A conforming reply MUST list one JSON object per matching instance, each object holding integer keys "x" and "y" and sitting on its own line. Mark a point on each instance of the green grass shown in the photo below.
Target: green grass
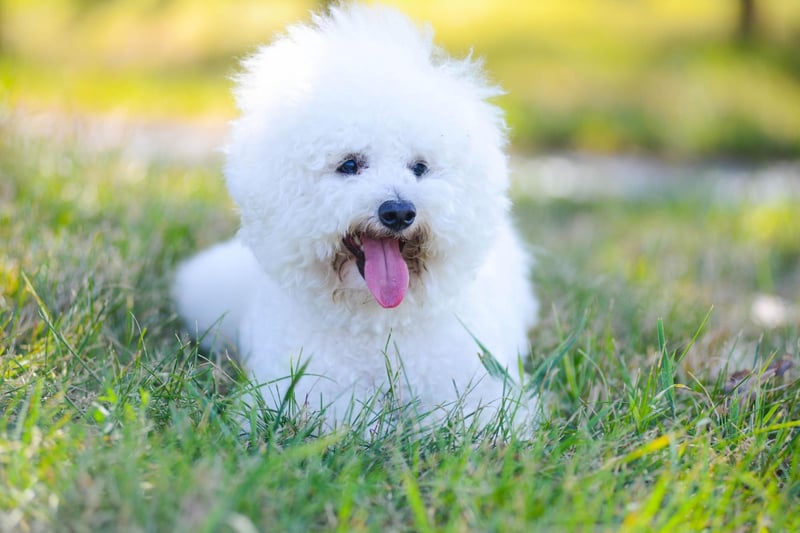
{"x": 110, "y": 421}
{"x": 601, "y": 75}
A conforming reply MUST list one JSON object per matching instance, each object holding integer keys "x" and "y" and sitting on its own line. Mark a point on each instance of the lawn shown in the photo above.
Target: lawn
{"x": 110, "y": 421}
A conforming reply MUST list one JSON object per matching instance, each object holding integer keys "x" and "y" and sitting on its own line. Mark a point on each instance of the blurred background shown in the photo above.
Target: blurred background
{"x": 679, "y": 79}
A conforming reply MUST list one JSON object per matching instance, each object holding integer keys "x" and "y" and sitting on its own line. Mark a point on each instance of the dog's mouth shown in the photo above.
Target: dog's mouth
{"x": 382, "y": 263}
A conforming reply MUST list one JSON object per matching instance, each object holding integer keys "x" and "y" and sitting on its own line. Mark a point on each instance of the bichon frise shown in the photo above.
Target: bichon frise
{"x": 370, "y": 173}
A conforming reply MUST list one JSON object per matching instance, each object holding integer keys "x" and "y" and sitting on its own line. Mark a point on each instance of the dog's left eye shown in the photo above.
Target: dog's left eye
{"x": 419, "y": 169}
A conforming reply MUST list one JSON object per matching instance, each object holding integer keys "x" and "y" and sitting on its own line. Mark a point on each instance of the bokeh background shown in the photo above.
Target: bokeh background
{"x": 680, "y": 79}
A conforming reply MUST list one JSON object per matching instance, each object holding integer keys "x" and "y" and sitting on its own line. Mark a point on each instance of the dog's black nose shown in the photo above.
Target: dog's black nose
{"x": 397, "y": 215}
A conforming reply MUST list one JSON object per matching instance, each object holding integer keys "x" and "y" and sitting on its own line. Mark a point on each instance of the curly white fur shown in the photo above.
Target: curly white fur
{"x": 366, "y": 82}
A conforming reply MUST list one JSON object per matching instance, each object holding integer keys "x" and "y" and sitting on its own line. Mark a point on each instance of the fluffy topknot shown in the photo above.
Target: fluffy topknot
{"x": 278, "y": 72}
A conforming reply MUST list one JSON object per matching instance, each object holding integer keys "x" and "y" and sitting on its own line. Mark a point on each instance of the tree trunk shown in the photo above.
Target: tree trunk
{"x": 747, "y": 19}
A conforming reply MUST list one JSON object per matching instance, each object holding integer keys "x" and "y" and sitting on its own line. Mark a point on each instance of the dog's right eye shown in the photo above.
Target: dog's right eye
{"x": 349, "y": 167}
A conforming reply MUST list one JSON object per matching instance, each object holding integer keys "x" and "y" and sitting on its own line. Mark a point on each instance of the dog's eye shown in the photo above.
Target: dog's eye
{"x": 349, "y": 167}
{"x": 419, "y": 169}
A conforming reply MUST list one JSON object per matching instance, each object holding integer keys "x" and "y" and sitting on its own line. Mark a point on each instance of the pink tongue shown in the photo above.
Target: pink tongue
{"x": 385, "y": 270}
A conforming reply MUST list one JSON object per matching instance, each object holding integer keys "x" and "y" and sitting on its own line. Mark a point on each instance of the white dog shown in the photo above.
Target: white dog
{"x": 372, "y": 182}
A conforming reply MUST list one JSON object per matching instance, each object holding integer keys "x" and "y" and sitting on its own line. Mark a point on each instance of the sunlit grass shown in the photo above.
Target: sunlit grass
{"x": 110, "y": 420}
{"x": 154, "y": 95}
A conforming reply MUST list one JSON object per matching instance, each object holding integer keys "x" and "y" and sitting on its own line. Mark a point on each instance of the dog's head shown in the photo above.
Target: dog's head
{"x": 366, "y": 164}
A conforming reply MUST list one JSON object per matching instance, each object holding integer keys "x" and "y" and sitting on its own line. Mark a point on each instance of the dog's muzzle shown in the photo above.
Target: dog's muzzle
{"x": 380, "y": 252}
